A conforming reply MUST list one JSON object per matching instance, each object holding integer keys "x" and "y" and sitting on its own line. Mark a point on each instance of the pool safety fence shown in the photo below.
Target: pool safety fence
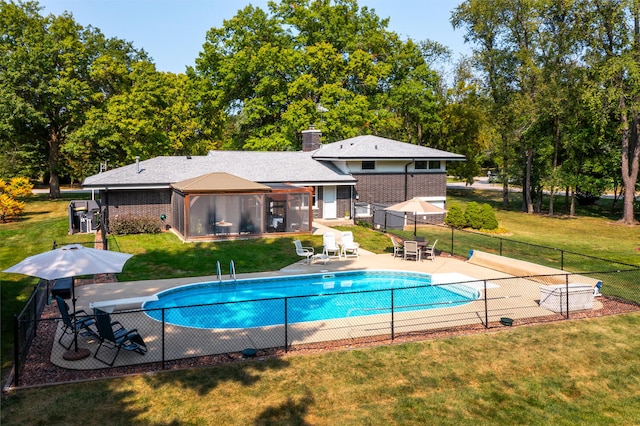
{"x": 460, "y": 242}
{"x": 219, "y": 332}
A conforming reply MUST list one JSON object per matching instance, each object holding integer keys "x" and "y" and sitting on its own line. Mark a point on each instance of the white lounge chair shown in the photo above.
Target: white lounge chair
{"x": 349, "y": 247}
{"x": 306, "y": 252}
{"x": 329, "y": 245}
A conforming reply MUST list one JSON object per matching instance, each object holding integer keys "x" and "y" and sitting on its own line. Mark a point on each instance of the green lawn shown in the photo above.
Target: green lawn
{"x": 588, "y": 372}
{"x": 567, "y": 373}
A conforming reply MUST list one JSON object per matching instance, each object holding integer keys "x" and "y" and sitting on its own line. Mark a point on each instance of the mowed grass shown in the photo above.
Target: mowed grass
{"x": 572, "y": 372}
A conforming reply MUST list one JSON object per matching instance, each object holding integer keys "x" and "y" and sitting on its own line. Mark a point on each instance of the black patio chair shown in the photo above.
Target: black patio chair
{"x": 75, "y": 323}
{"x": 113, "y": 335}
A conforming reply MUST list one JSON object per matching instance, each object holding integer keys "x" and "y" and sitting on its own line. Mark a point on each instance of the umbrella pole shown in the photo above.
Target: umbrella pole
{"x": 73, "y": 302}
{"x": 77, "y": 353}
{"x": 415, "y": 225}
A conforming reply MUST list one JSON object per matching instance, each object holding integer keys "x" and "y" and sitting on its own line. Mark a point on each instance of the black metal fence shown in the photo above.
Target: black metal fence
{"x": 398, "y": 312}
{"x": 283, "y": 324}
{"x": 25, "y": 323}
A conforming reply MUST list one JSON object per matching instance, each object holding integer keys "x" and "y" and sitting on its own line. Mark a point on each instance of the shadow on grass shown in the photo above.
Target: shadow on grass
{"x": 289, "y": 412}
{"x": 204, "y": 380}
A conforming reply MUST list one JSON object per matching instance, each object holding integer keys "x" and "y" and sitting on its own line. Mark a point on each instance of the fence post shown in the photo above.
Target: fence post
{"x": 562, "y": 259}
{"x": 566, "y": 281}
{"x": 486, "y": 307}
{"x": 501, "y": 246}
{"x": 452, "y": 247}
{"x": 163, "y": 337}
{"x": 393, "y": 335}
{"x": 16, "y": 350}
{"x": 286, "y": 327}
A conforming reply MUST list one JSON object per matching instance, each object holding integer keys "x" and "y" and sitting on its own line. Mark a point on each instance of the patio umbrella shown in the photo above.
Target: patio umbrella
{"x": 416, "y": 206}
{"x": 70, "y": 261}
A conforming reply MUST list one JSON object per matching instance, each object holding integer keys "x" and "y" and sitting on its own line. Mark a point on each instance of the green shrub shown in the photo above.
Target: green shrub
{"x": 364, "y": 224}
{"x": 473, "y": 215}
{"x": 455, "y": 217}
{"x": 128, "y": 224}
{"x": 488, "y": 217}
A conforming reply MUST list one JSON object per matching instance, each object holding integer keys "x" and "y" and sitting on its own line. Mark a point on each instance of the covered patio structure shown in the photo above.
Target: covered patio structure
{"x": 221, "y": 205}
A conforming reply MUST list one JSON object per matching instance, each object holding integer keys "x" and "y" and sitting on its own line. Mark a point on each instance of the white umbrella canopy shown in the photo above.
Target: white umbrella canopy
{"x": 416, "y": 206}
{"x": 71, "y": 261}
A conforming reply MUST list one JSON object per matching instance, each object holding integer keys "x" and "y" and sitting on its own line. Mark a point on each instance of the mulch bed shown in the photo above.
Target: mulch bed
{"x": 39, "y": 370}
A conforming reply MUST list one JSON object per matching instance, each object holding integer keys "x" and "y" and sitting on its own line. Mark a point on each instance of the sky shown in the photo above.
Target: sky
{"x": 172, "y": 32}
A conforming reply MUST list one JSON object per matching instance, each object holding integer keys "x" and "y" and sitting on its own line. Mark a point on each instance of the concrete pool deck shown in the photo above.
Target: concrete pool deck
{"x": 512, "y": 297}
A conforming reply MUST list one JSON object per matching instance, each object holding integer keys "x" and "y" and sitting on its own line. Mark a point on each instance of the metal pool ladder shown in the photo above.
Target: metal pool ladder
{"x": 232, "y": 270}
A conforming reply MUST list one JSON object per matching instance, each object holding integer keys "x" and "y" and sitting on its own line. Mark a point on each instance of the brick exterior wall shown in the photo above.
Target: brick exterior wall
{"x": 147, "y": 202}
{"x": 389, "y": 188}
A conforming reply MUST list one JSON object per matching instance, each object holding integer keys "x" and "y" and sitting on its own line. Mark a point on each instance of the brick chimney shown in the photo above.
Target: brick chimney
{"x": 311, "y": 139}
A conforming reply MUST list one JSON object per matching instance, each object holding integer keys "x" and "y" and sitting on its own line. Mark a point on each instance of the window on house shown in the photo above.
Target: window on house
{"x": 434, "y": 165}
{"x": 362, "y": 209}
{"x": 368, "y": 165}
{"x": 421, "y": 165}
{"x": 314, "y": 197}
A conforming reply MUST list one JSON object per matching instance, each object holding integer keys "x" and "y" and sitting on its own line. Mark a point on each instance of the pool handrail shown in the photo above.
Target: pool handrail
{"x": 218, "y": 271}
{"x": 232, "y": 270}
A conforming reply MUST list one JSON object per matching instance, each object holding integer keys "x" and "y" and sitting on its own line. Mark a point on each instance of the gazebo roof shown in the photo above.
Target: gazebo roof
{"x": 219, "y": 182}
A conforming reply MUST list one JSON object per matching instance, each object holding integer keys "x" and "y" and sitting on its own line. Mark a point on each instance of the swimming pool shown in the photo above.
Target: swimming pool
{"x": 303, "y": 298}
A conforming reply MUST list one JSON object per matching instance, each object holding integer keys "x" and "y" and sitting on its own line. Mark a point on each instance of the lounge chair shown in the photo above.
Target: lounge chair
{"x": 398, "y": 248}
{"x": 329, "y": 245}
{"x": 411, "y": 250}
{"x": 430, "y": 251}
{"x": 306, "y": 252}
{"x": 77, "y": 323}
{"x": 112, "y": 334}
{"x": 349, "y": 247}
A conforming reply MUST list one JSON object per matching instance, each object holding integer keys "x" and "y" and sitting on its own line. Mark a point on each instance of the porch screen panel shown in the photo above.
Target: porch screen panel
{"x": 298, "y": 212}
{"x": 177, "y": 204}
{"x": 251, "y": 208}
{"x": 198, "y": 208}
{"x": 225, "y": 214}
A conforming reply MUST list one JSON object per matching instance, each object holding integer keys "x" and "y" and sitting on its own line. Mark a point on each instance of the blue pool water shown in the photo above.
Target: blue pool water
{"x": 261, "y": 302}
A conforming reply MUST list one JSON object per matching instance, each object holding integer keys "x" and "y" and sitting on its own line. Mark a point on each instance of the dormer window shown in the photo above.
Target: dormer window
{"x": 368, "y": 165}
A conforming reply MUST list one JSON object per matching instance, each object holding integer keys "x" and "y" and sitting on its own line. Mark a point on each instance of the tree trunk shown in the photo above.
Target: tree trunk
{"x": 572, "y": 204}
{"x": 556, "y": 149}
{"x": 630, "y": 161}
{"x": 527, "y": 198}
{"x": 505, "y": 179}
{"x": 54, "y": 159}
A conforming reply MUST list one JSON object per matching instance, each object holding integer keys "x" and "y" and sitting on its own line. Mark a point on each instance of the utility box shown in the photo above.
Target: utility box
{"x": 83, "y": 216}
{"x": 554, "y": 297}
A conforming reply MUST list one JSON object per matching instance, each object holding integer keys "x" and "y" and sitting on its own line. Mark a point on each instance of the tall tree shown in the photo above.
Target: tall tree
{"x": 329, "y": 63}
{"x": 614, "y": 58}
{"x": 45, "y": 84}
{"x": 483, "y": 25}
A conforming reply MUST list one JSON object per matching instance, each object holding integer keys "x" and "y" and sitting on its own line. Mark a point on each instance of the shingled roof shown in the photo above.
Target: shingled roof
{"x": 263, "y": 167}
{"x": 374, "y": 147}
{"x": 297, "y": 168}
